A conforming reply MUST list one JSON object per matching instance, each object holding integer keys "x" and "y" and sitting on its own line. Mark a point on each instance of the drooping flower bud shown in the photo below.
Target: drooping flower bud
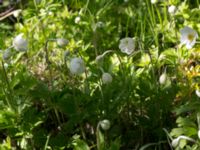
{"x": 16, "y": 13}
{"x": 19, "y": 43}
{"x": 175, "y": 142}
{"x": 62, "y": 42}
{"x": 199, "y": 134}
{"x": 77, "y": 66}
{"x": 105, "y": 124}
{"x": 99, "y": 59}
{"x": 7, "y": 54}
{"x": 106, "y": 78}
{"x": 163, "y": 78}
{"x": 154, "y": 1}
{"x": 77, "y": 19}
{"x": 172, "y": 9}
{"x": 197, "y": 93}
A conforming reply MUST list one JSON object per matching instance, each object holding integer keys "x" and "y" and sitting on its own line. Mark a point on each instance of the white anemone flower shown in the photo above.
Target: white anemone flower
{"x": 77, "y": 66}
{"x": 188, "y": 37}
{"x": 106, "y": 78}
{"x": 19, "y": 43}
{"x": 127, "y": 45}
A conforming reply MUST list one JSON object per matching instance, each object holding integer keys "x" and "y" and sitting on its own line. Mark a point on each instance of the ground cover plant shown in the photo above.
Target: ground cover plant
{"x": 100, "y": 75}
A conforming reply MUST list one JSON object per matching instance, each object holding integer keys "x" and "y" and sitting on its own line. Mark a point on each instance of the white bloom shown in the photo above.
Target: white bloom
{"x": 7, "y": 54}
{"x": 19, "y": 43}
{"x": 105, "y": 124}
{"x": 188, "y": 37}
{"x": 77, "y": 19}
{"x": 62, "y": 42}
{"x": 16, "y": 13}
{"x": 106, "y": 78}
{"x": 197, "y": 93}
{"x": 127, "y": 45}
{"x": 154, "y": 1}
{"x": 163, "y": 78}
{"x": 172, "y": 9}
{"x": 77, "y": 66}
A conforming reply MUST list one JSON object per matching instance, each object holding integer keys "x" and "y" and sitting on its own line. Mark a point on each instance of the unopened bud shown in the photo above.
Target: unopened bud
{"x": 105, "y": 124}
{"x": 106, "y": 78}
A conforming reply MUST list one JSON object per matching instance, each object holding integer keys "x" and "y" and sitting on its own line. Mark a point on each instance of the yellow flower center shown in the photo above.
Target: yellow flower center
{"x": 190, "y": 37}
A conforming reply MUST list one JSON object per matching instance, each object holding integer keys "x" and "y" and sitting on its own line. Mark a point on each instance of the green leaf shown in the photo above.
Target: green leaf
{"x": 80, "y": 145}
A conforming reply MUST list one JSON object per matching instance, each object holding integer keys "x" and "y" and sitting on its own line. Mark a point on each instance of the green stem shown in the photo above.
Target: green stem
{"x": 10, "y": 95}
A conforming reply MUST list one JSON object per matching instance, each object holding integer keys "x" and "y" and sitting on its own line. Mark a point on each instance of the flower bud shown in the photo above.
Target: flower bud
{"x": 77, "y": 19}
{"x": 100, "y": 24}
{"x": 77, "y": 66}
{"x": 7, "y": 54}
{"x": 62, "y": 42}
{"x": 99, "y": 59}
{"x": 105, "y": 124}
{"x": 175, "y": 142}
{"x": 163, "y": 78}
{"x": 197, "y": 93}
{"x": 199, "y": 134}
{"x": 19, "y": 43}
{"x": 154, "y": 1}
{"x": 106, "y": 78}
{"x": 16, "y": 13}
{"x": 172, "y": 9}
{"x": 66, "y": 53}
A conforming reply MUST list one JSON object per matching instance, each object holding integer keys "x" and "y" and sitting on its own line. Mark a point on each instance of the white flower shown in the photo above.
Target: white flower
{"x": 16, "y": 13}
{"x": 62, "y": 42}
{"x": 154, "y": 1}
{"x": 197, "y": 93}
{"x": 19, "y": 43}
{"x": 105, "y": 124}
{"x": 76, "y": 66}
{"x": 172, "y": 9}
{"x": 163, "y": 78}
{"x": 77, "y": 19}
{"x": 188, "y": 37}
{"x": 127, "y": 45}
{"x": 106, "y": 78}
{"x": 7, "y": 54}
